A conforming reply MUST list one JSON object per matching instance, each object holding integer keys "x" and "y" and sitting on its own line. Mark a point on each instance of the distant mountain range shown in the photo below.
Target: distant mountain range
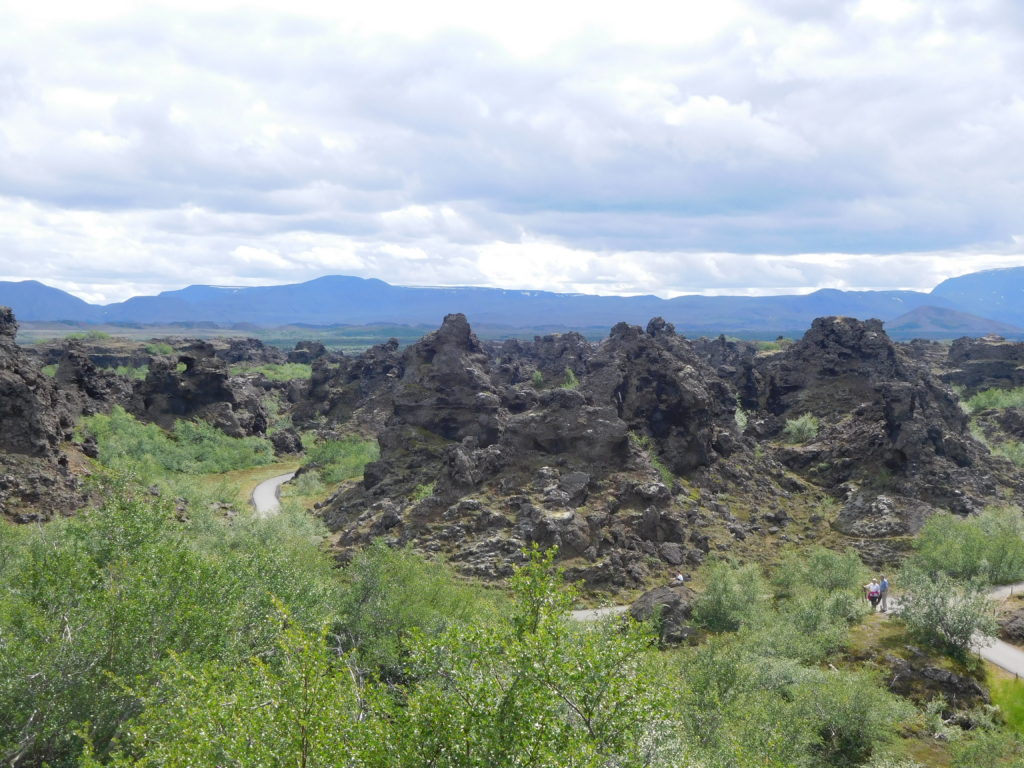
{"x": 971, "y": 305}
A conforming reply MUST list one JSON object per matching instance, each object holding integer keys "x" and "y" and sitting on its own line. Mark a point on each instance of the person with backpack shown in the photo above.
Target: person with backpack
{"x": 874, "y": 593}
{"x": 884, "y": 587}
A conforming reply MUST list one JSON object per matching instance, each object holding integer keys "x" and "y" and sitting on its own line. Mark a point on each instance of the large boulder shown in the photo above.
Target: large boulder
{"x": 670, "y": 606}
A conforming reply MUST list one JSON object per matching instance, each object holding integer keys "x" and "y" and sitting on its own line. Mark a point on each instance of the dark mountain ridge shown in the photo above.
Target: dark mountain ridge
{"x": 345, "y": 300}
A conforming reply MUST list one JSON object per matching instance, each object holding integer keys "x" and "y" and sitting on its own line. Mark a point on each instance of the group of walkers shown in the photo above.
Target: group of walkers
{"x": 877, "y": 593}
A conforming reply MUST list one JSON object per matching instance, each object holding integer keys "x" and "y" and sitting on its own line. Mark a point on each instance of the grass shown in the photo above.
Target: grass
{"x": 995, "y": 398}
{"x": 246, "y": 480}
{"x": 275, "y": 372}
{"x": 1007, "y": 692}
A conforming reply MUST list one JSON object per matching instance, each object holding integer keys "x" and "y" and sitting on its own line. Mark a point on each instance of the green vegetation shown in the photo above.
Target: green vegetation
{"x": 1008, "y": 695}
{"x": 341, "y": 460}
{"x": 275, "y": 372}
{"x": 988, "y": 547}
{"x": 50, "y": 370}
{"x": 93, "y": 607}
{"x": 802, "y": 429}
{"x": 159, "y": 348}
{"x": 646, "y": 444}
{"x": 423, "y": 491}
{"x": 570, "y": 381}
{"x": 193, "y": 448}
{"x": 92, "y": 335}
{"x": 537, "y": 379}
{"x": 131, "y": 372}
{"x": 742, "y": 417}
{"x": 944, "y": 613}
{"x": 995, "y": 398}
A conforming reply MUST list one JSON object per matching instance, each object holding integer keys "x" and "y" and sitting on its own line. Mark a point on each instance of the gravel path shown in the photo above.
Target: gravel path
{"x": 266, "y": 495}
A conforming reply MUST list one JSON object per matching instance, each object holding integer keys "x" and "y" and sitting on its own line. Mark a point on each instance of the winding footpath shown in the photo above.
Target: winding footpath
{"x": 992, "y": 649}
{"x": 1000, "y": 653}
{"x": 266, "y": 497}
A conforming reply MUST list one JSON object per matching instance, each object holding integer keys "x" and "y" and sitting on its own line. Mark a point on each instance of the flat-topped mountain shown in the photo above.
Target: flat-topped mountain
{"x": 343, "y": 300}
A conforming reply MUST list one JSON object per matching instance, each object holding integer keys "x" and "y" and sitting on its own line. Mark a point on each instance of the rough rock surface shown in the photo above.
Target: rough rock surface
{"x": 992, "y": 361}
{"x": 35, "y": 418}
{"x": 888, "y": 427}
{"x": 356, "y": 390}
{"x": 1011, "y": 627}
{"x": 671, "y": 607}
{"x": 922, "y": 681}
{"x": 34, "y": 414}
{"x": 203, "y": 390}
{"x": 477, "y": 463}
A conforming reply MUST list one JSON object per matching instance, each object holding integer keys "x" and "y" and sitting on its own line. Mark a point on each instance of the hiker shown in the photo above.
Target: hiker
{"x": 874, "y": 593}
{"x": 679, "y": 578}
{"x": 883, "y": 586}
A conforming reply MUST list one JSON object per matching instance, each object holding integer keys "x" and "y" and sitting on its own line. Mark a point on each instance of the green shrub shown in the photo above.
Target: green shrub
{"x": 989, "y": 547}
{"x": 802, "y": 429}
{"x": 131, "y": 372}
{"x": 646, "y": 444}
{"x": 570, "y": 381}
{"x": 423, "y": 491}
{"x": 742, "y": 417}
{"x": 193, "y": 448}
{"x": 92, "y": 606}
{"x": 49, "y": 370}
{"x": 159, "y": 348}
{"x": 341, "y": 460}
{"x": 820, "y": 569}
{"x": 989, "y": 748}
{"x": 944, "y": 613}
{"x": 88, "y": 335}
{"x": 733, "y": 595}
{"x": 537, "y": 379}
{"x": 995, "y": 398}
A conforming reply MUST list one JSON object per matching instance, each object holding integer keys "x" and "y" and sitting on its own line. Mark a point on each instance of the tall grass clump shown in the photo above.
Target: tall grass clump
{"x": 802, "y": 429}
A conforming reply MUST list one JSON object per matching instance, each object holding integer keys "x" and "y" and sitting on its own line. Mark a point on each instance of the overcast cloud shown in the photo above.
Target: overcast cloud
{"x": 754, "y": 147}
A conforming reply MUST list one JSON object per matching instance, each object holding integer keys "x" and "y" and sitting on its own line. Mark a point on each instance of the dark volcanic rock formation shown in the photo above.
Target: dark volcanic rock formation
{"x": 992, "y": 361}
{"x": 477, "y": 463}
{"x": 893, "y": 441}
{"x": 357, "y": 389}
{"x": 35, "y": 418}
{"x": 661, "y": 389}
{"x": 203, "y": 390}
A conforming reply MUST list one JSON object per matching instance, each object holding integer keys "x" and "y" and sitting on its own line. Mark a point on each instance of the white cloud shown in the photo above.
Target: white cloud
{"x": 688, "y": 147}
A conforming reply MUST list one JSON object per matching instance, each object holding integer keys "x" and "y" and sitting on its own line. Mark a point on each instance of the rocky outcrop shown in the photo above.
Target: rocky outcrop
{"x": 977, "y": 364}
{"x": 34, "y": 415}
{"x": 355, "y": 390}
{"x": 892, "y": 440}
{"x": 662, "y": 390}
{"x": 307, "y": 352}
{"x": 670, "y": 607}
{"x": 35, "y": 418}
{"x": 92, "y": 389}
{"x": 478, "y": 461}
{"x": 195, "y": 384}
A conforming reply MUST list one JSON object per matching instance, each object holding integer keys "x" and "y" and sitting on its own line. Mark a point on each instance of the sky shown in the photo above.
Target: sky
{"x": 730, "y": 147}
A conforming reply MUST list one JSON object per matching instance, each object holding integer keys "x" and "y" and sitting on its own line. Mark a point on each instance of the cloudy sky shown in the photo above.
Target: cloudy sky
{"x": 729, "y": 147}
